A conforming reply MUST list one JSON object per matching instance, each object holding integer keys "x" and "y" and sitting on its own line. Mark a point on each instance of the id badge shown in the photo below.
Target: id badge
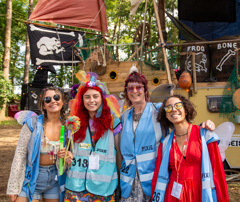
{"x": 94, "y": 162}
{"x": 177, "y": 190}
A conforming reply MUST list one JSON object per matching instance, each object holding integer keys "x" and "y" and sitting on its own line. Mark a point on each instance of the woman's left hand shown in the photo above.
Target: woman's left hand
{"x": 69, "y": 157}
{"x": 209, "y": 125}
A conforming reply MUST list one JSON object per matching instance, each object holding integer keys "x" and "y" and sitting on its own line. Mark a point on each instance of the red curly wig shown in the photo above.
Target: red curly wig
{"x": 101, "y": 124}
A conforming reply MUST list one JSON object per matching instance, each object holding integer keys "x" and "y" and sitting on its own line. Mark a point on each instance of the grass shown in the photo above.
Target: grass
{"x": 9, "y": 123}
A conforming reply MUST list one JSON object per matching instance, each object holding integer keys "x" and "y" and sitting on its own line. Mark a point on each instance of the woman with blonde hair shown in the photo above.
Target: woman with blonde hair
{"x": 34, "y": 172}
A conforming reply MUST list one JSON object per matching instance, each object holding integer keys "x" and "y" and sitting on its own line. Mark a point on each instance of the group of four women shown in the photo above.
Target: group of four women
{"x": 135, "y": 152}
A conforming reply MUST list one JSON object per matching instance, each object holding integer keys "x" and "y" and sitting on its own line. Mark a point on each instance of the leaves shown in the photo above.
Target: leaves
{"x": 6, "y": 90}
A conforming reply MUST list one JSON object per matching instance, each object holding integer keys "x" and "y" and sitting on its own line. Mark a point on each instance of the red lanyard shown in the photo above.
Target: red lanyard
{"x": 184, "y": 151}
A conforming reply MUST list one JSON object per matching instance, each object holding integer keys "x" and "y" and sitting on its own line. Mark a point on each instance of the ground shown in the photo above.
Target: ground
{"x": 8, "y": 141}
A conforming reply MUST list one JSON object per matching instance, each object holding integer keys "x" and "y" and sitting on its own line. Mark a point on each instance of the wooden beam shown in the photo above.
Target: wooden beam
{"x": 162, "y": 43}
{"x": 194, "y": 73}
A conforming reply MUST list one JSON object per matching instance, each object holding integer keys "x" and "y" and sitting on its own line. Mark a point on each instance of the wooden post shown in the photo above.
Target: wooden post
{"x": 143, "y": 33}
{"x": 100, "y": 13}
{"x": 194, "y": 73}
{"x": 161, "y": 43}
{"x": 237, "y": 72}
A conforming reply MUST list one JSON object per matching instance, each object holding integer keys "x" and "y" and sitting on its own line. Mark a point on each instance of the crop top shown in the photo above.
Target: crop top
{"x": 50, "y": 147}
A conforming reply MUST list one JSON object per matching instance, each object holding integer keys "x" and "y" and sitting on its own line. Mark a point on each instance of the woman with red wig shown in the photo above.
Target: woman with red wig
{"x": 93, "y": 172}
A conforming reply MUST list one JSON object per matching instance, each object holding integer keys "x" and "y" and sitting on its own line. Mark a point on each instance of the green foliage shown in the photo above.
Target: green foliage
{"x": 118, "y": 15}
{"x": 6, "y": 90}
{"x": 18, "y": 38}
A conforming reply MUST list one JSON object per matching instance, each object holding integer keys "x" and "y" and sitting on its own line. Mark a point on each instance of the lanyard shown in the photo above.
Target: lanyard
{"x": 91, "y": 137}
{"x": 177, "y": 167}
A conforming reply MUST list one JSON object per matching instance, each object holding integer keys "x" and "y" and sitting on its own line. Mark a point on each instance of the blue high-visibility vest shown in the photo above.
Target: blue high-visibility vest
{"x": 208, "y": 187}
{"x": 102, "y": 181}
{"x": 139, "y": 149}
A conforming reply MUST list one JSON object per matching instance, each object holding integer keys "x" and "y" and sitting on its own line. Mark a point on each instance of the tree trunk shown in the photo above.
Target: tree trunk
{"x": 161, "y": 11}
{"x": 27, "y": 53}
{"x": 7, "y": 46}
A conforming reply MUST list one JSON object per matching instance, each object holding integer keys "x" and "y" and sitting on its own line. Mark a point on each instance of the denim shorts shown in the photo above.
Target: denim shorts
{"x": 47, "y": 184}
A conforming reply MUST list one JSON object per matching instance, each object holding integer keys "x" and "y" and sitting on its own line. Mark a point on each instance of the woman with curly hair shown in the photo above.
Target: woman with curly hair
{"x": 189, "y": 165}
{"x": 93, "y": 172}
{"x": 34, "y": 172}
{"x": 140, "y": 139}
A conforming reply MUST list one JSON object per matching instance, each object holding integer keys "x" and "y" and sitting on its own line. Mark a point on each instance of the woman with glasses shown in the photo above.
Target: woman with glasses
{"x": 93, "y": 173}
{"x": 34, "y": 172}
{"x": 140, "y": 138}
{"x": 189, "y": 165}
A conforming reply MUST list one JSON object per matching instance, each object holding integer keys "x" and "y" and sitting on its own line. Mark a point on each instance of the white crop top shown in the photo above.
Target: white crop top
{"x": 50, "y": 148}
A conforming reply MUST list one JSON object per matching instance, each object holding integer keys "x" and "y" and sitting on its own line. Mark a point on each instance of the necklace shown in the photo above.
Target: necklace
{"x": 136, "y": 117}
{"x": 181, "y": 135}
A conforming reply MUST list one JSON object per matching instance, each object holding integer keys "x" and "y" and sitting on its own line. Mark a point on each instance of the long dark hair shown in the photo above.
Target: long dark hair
{"x": 188, "y": 106}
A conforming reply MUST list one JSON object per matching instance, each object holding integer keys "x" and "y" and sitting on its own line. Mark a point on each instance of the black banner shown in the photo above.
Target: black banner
{"x": 53, "y": 47}
{"x": 207, "y": 10}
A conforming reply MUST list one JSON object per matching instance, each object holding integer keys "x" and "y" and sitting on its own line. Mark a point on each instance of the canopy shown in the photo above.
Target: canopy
{"x": 88, "y": 14}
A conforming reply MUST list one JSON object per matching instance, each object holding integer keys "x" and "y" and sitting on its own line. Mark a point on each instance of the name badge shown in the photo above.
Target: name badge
{"x": 94, "y": 162}
{"x": 177, "y": 190}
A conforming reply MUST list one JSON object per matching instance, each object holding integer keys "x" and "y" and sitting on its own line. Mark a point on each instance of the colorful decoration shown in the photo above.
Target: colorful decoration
{"x": 74, "y": 90}
{"x": 90, "y": 80}
{"x": 22, "y": 116}
{"x": 185, "y": 80}
{"x": 73, "y": 125}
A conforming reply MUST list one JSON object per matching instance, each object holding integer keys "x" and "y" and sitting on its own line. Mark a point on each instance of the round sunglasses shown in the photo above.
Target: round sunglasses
{"x": 137, "y": 87}
{"x": 48, "y": 99}
{"x": 177, "y": 106}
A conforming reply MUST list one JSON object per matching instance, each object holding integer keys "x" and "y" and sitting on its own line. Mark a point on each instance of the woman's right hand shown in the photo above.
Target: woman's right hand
{"x": 12, "y": 197}
{"x": 61, "y": 153}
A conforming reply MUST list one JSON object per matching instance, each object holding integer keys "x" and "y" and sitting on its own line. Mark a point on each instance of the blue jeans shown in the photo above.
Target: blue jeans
{"x": 47, "y": 184}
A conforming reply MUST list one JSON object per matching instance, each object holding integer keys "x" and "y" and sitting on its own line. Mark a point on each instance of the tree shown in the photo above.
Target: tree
{"x": 7, "y": 46}
{"x": 27, "y": 52}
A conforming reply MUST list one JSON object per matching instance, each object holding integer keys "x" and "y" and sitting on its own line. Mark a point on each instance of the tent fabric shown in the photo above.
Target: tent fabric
{"x": 186, "y": 32}
{"x": 214, "y": 30}
{"x": 207, "y": 10}
{"x": 134, "y": 6}
{"x": 87, "y": 14}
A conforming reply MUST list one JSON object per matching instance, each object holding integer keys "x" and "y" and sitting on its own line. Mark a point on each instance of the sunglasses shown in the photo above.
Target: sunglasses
{"x": 48, "y": 99}
{"x": 177, "y": 106}
{"x": 137, "y": 87}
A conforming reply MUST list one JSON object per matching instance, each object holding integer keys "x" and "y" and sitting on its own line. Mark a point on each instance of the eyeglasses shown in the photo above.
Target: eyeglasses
{"x": 48, "y": 99}
{"x": 137, "y": 87}
{"x": 177, "y": 106}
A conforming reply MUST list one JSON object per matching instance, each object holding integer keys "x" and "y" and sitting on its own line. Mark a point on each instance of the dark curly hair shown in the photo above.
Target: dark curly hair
{"x": 188, "y": 106}
{"x": 136, "y": 78}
